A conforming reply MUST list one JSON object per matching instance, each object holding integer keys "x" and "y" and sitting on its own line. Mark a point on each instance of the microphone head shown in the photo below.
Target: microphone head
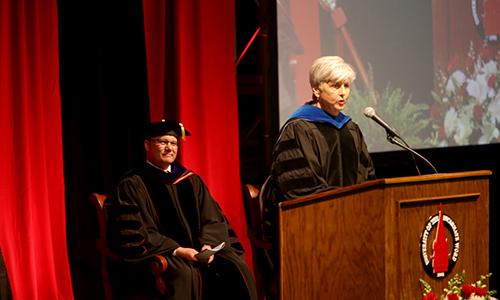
{"x": 369, "y": 112}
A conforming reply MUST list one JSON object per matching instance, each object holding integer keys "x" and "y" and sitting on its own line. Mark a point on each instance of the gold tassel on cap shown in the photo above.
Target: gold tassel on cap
{"x": 183, "y": 132}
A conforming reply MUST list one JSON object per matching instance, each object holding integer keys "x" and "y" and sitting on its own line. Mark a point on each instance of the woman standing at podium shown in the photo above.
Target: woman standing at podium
{"x": 319, "y": 147}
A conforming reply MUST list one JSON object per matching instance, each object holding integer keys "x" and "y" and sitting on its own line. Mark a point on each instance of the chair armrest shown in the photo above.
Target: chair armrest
{"x": 158, "y": 266}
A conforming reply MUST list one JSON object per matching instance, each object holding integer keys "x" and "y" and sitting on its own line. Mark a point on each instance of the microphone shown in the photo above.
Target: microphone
{"x": 369, "y": 112}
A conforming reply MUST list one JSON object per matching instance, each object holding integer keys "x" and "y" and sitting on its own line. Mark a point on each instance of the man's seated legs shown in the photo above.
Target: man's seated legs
{"x": 223, "y": 280}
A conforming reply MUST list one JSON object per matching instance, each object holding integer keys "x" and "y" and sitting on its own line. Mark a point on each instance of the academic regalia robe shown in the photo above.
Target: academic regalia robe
{"x": 175, "y": 210}
{"x": 315, "y": 151}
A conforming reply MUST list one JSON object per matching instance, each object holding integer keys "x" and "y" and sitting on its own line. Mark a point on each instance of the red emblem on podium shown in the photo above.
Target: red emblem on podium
{"x": 439, "y": 245}
{"x": 440, "y": 248}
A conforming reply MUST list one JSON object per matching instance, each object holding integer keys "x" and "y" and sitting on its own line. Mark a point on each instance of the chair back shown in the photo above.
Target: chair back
{"x": 99, "y": 202}
{"x": 158, "y": 264}
{"x": 261, "y": 249}
{"x": 253, "y": 210}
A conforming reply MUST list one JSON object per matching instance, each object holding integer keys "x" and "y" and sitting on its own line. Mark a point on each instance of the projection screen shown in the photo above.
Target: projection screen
{"x": 428, "y": 68}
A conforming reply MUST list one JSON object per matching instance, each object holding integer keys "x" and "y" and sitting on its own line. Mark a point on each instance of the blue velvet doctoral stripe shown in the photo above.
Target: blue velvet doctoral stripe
{"x": 316, "y": 114}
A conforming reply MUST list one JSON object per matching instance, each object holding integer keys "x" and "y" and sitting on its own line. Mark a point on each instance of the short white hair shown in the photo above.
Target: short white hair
{"x": 330, "y": 68}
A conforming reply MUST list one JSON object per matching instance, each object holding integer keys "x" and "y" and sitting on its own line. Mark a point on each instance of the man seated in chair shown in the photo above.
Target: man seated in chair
{"x": 161, "y": 208}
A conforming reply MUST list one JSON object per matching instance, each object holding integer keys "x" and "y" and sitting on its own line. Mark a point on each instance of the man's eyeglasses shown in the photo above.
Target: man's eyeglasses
{"x": 164, "y": 143}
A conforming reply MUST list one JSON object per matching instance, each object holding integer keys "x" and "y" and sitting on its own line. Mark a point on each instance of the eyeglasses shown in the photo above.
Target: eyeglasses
{"x": 164, "y": 143}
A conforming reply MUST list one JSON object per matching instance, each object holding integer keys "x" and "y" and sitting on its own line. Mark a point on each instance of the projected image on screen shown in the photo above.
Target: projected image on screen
{"x": 428, "y": 68}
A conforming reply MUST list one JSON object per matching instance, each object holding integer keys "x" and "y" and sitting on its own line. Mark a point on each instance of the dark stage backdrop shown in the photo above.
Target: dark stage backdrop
{"x": 104, "y": 106}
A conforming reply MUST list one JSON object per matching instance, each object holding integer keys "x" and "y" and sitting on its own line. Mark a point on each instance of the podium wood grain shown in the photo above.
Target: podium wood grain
{"x": 363, "y": 241}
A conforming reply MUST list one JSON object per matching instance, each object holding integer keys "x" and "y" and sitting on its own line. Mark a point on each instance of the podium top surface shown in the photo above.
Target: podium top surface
{"x": 378, "y": 183}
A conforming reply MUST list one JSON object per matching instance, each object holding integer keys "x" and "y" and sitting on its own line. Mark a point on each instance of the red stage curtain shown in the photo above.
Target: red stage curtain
{"x": 155, "y": 33}
{"x": 32, "y": 211}
{"x": 205, "y": 74}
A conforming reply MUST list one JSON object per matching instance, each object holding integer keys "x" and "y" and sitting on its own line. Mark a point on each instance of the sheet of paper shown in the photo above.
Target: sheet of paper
{"x": 205, "y": 254}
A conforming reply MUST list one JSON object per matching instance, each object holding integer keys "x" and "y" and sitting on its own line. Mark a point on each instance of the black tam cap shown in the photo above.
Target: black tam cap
{"x": 165, "y": 127}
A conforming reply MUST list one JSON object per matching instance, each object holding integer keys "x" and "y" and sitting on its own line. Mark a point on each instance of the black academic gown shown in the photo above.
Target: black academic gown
{"x": 317, "y": 151}
{"x": 177, "y": 210}
{"x": 314, "y": 152}
{"x": 311, "y": 157}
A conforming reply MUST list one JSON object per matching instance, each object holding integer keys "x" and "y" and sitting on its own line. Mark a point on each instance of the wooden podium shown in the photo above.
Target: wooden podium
{"x": 364, "y": 241}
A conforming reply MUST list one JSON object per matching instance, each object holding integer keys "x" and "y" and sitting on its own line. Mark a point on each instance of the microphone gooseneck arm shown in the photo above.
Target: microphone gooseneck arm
{"x": 407, "y": 146}
{"x": 403, "y": 145}
{"x": 394, "y": 138}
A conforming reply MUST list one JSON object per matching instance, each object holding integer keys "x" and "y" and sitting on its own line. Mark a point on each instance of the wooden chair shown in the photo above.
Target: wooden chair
{"x": 99, "y": 200}
{"x": 158, "y": 264}
{"x": 262, "y": 250}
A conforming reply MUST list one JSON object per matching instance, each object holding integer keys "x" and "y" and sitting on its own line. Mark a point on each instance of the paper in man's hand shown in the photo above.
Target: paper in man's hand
{"x": 205, "y": 254}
